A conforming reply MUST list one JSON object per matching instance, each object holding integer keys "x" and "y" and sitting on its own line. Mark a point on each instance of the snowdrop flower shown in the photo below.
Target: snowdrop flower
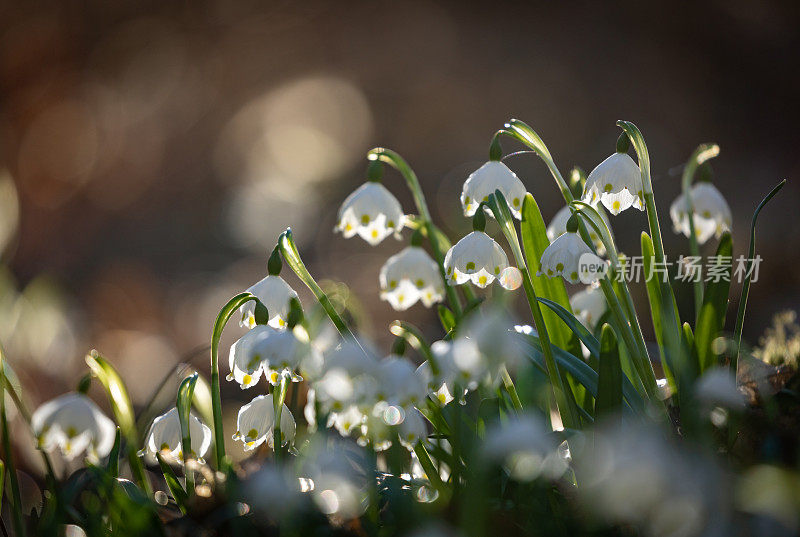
{"x": 558, "y": 226}
{"x": 256, "y": 423}
{"x": 275, "y": 294}
{"x": 525, "y": 447}
{"x": 494, "y": 175}
{"x": 275, "y": 353}
{"x": 372, "y": 212}
{"x": 565, "y": 257}
{"x": 74, "y": 424}
{"x": 588, "y": 305}
{"x": 401, "y": 385}
{"x": 478, "y": 258}
{"x": 164, "y": 437}
{"x": 712, "y": 216}
{"x": 616, "y": 183}
{"x": 411, "y": 276}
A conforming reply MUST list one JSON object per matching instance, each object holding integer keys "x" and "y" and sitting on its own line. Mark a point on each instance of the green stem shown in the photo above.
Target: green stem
{"x": 414, "y": 337}
{"x": 703, "y": 153}
{"x": 397, "y": 162}
{"x": 430, "y": 470}
{"x": 278, "y": 397}
{"x": 16, "y": 508}
{"x": 510, "y": 388}
{"x": 184, "y": 406}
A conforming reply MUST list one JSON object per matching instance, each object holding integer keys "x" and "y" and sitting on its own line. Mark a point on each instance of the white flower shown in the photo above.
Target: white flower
{"x": 164, "y": 437}
{"x": 412, "y": 429}
{"x": 477, "y": 258}
{"x": 558, "y": 226}
{"x": 588, "y": 305}
{"x": 617, "y": 183}
{"x": 563, "y": 258}
{"x": 275, "y": 353}
{"x": 409, "y": 276}
{"x": 460, "y": 362}
{"x": 525, "y": 447}
{"x": 275, "y": 294}
{"x": 712, "y": 216}
{"x": 348, "y": 421}
{"x": 372, "y": 212}
{"x": 349, "y": 377}
{"x": 400, "y": 383}
{"x": 494, "y": 175}
{"x": 493, "y": 332}
{"x": 73, "y": 423}
{"x": 256, "y": 423}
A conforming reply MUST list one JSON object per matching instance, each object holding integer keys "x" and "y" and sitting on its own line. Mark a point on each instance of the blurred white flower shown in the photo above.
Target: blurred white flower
{"x": 412, "y": 429}
{"x": 400, "y": 384}
{"x": 372, "y": 212}
{"x": 493, "y": 332}
{"x": 255, "y": 423}
{"x": 437, "y": 387}
{"x": 275, "y": 294}
{"x": 275, "y": 353}
{"x": 349, "y": 377}
{"x": 718, "y": 387}
{"x": 338, "y": 472}
{"x": 409, "y": 276}
{"x": 526, "y": 447}
{"x": 494, "y": 175}
{"x": 347, "y": 421}
{"x": 460, "y": 363}
{"x": 558, "y": 226}
{"x": 563, "y": 258}
{"x": 273, "y": 492}
{"x": 712, "y": 215}
{"x": 477, "y": 258}
{"x": 616, "y": 183}
{"x": 588, "y": 305}
{"x": 74, "y": 424}
{"x": 164, "y": 437}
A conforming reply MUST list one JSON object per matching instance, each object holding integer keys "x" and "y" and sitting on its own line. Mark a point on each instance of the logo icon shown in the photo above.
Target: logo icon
{"x": 591, "y": 268}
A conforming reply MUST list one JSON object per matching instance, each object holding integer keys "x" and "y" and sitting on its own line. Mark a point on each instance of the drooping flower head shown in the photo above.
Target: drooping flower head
{"x": 588, "y": 305}
{"x": 558, "y": 226}
{"x": 616, "y": 182}
{"x": 275, "y": 294}
{"x": 372, "y": 212}
{"x": 164, "y": 437}
{"x": 494, "y": 175}
{"x": 273, "y": 353}
{"x": 712, "y": 215}
{"x": 479, "y": 259}
{"x": 75, "y": 425}
{"x": 411, "y": 276}
{"x": 255, "y": 423}
{"x": 567, "y": 256}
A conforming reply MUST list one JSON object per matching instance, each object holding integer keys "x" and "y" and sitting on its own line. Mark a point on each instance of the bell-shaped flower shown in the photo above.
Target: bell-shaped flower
{"x": 275, "y": 294}
{"x": 460, "y": 363}
{"x": 565, "y": 257}
{"x": 588, "y": 305}
{"x": 349, "y": 377}
{"x": 347, "y": 421}
{"x": 164, "y": 437}
{"x": 616, "y": 183}
{"x": 400, "y": 385}
{"x": 558, "y": 226}
{"x": 494, "y": 175}
{"x": 712, "y": 215}
{"x": 492, "y": 330}
{"x": 74, "y": 424}
{"x": 372, "y": 212}
{"x": 275, "y": 353}
{"x": 256, "y": 423}
{"x": 411, "y": 276}
{"x": 245, "y": 363}
{"x": 477, "y": 258}
{"x": 412, "y": 429}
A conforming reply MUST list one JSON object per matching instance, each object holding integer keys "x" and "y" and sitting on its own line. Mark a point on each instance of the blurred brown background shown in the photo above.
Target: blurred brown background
{"x": 154, "y": 150}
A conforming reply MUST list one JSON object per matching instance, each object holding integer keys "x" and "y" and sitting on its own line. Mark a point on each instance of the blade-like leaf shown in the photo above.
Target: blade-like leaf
{"x": 609, "y": 383}
{"x": 655, "y": 299}
{"x": 574, "y": 325}
{"x": 184, "y": 406}
{"x": 711, "y": 319}
{"x": 13, "y": 481}
{"x": 112, "y": 468}
{"x": 447, "y": 318}
{"x": 173, "y": 483}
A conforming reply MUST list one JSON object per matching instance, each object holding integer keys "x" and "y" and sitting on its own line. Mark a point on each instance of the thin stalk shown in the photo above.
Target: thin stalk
{"x": 397, "y": 162}
{"x": 16, "y": 509}
{"x": 430, "y": 470}
{"x": 510, "y": 388}
{"x": 414, "y": 337}
{"x": 278, "y": 397}
{"x": 703, "y": 153}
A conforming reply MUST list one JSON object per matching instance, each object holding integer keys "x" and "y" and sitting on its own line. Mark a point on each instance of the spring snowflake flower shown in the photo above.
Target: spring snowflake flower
{"x": 412, "y": 429}
{"x": 558, "y": 226}
{"x": 349, "y": 377}
{"x": 525, "y": 447}
{"x": 164, "y": 437}
{"x": 588, "y": 306}
{"x": 256, "y": 423}
{"x": 372, "y": 212}
{"x": 712, "y": 215}
{"x": 74, "y": 424}
{"x": 460, "y": 363}
{"x": 492, "y": 330}
{"x": 273, "y": 353}
{"x": 563, "y": 258}
{"x": 411, "y": 276}
{"x": 400, "y": 384}
{"x": 478, "y": 258}
{"x": 616, "y": 183}
{"x": 275, "y": 294}
{"x": 436, "y": 384}
{"x": 494, "y": 175}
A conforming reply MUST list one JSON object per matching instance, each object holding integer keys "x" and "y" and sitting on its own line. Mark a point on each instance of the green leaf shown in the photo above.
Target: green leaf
{"x": 534, "y": 242}
{"x": 574, "y": 325}
{"x": 202, "y": 399}
{"x": 711, "y": 318}
{"x": 737, "y": 333}
{"x": 112, "y": 468}
{"x": 184, "y": 406}
{"x": 524, "y": 133}
{"x": 173, "y": 484}
{"x": 656, "y": 305}
{"x": 609, "y": 383}
{"x": 123, "y": 411}
{"x": 446, "y": 317}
